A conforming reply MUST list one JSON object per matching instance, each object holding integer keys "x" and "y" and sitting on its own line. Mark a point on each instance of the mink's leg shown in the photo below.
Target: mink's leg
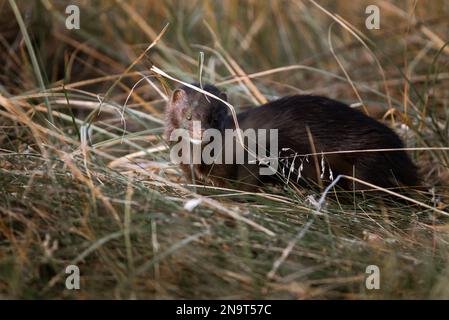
{"x": 187, "y": 172}
{"x": 248, "y": 177}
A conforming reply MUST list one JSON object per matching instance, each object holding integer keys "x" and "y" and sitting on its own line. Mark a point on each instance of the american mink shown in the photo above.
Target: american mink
{"x": 306, "y": 124}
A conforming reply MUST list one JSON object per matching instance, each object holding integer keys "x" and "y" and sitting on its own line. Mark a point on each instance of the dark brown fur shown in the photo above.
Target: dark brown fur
{"x": 332, "y": 126}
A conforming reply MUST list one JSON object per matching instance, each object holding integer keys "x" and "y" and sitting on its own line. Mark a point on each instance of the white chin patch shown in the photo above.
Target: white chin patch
{"x": 195, "y": 141}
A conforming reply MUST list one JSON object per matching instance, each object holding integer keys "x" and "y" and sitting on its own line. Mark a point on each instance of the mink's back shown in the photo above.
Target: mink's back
{"x": 334, "y": 126}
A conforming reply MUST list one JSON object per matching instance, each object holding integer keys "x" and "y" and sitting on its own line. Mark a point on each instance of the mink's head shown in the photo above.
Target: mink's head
{"x": 188, "y": 106}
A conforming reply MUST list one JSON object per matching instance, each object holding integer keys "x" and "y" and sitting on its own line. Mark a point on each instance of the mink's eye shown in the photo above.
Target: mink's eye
{"x": 189, "y": 115}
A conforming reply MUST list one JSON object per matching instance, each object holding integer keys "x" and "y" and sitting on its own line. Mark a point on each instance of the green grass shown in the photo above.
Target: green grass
{"x": 69, "y": 196}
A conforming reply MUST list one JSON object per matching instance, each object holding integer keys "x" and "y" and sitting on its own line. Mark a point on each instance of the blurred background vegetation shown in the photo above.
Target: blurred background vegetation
{"x": 85, "y": 177}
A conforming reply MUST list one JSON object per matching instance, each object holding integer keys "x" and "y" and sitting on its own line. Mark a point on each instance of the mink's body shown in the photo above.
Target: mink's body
{"x": 332, "y": 126}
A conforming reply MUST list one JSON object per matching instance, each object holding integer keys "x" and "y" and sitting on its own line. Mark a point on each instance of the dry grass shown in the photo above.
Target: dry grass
{"x": 85, "y": 177}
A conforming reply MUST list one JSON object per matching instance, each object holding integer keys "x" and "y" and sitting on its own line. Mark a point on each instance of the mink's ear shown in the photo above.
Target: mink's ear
{"x": 223, "y": 96}
{"x": 177, "y": 96}
{"x": 177, "y": 100}
{"x": 223, "y": 110}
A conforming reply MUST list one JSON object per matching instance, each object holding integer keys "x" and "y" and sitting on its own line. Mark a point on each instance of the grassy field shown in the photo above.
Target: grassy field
{"x": 85, "y": 177}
